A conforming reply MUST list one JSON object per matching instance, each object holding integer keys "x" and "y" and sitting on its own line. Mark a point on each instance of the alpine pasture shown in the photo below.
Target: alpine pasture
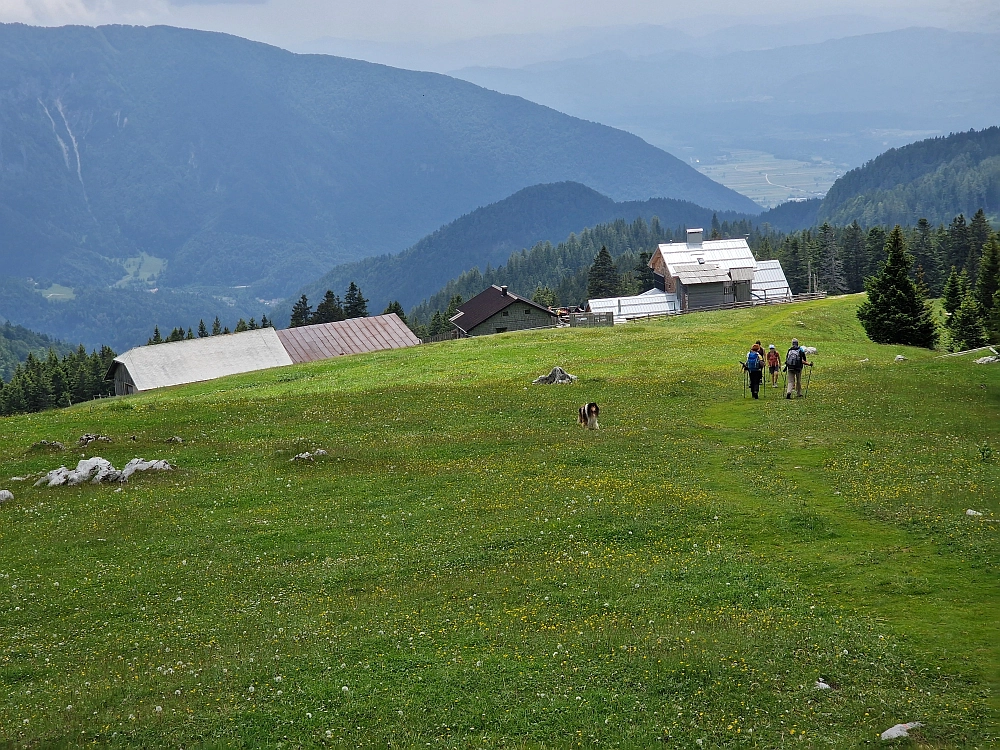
{"x": 468, "y": 568}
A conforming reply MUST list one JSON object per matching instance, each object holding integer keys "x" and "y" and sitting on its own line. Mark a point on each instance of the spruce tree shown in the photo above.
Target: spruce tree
{"x": 439, "y": 324}
{"x": 988, "y": 280}
{"x": 644, "y": 273}
{"x": 993, "y": 322}
{"x": 958, "y": 242}
{"x": 190, "y": 334}
{"x": 264, "y": 322}
{"x": 329, "y": 310}
{"x": 831, "y": 267}
{"x": 926, "y": 256}
{"x": 252, "y": 324}
{"x": 603, "y": 279}
{"x": 202, "y": 330}
{"x": 854, "y": 257}
{"x": 241, "y": 326}
{"x": 157, "y": 338}
{"x": 952, "y": 294}
{"x": 395, "y": 307}
{"x": 874, "y": 251}
{"x": 226, "y": 331}
{"x": 301, "y": 313}
{"x": 967, "y": 327}
{"x": 216, "y": 326}
{"x": 453, "y": 304}
{"x": 980, "y": 232}
{"x": 895, "y": 312}
{"x": 355, "y": 305}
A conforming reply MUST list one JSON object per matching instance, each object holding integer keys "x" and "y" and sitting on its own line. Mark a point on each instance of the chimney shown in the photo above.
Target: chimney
{"x": 503, "y": 290}
{"x": 695, "y": 237}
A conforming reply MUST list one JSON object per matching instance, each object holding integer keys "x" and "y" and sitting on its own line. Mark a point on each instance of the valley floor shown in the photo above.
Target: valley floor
{"x": 468, "y": 568}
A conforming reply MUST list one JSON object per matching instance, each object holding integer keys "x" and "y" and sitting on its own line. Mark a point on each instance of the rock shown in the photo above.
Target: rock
{"x": 53, "y": 444}
{"x": 319, "y": 452}
{"x": 307, "y": 456}
{"x": 87, "y": 438}
{"x": 6, "y": 495}
{"x": 862, "y": 361}
{"x": 810, "y": 349}
{"x": 987, "y": 360}
{"x": 971, "y": 512}
{"x": 820, "y": 685}
{"x": 900, "y": 730}
{"x": 557, "y": 376}
{"x": 97, "y": 470}
{"x": 174, "y": 439}
{"x": 900, "y": 358}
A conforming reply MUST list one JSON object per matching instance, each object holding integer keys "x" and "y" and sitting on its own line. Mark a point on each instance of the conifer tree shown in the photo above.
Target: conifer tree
{"x": 329, "y": 310}
{"x": 988, "y": 280}
{"x": 980, "y": 232}
{"x": 264, "y": 322}
{"x": 355, "y": 305}
{"x": 716, "y": 228}
{"x": 395, "y": 307}
{"x": 216, "y": 326}
{"x": 967, "y": 326}
{"x": 958, "y": 242}
{"x": 831, "y": 268}
{"x": 226, "y": 331}
{"x": 190, "y": 334}
{"x": 453, "y": 304}
{"x": 644, "y": 277}
{"x": 301, "y": 313}
{"x": 874, "y": 250}
{"x": 241, "y": 326}
{"x": 925, "y": 255}
{"x": 895, "y": 312}
{"x": 993, "y": 322}
{"x": 952, "y": 293}
{"x": 544, "y": 296}
{"x": 603, "y": 279}
{"x": 252, "y": 325}
{"x": 438, "y": 324}
{"x": 854, "y": 257}
{"x": 157, "y": 338}
{"x": 202, "y": 330}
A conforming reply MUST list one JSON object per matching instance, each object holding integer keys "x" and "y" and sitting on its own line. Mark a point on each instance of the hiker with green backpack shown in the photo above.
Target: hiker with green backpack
{"x": 795, "y": 359}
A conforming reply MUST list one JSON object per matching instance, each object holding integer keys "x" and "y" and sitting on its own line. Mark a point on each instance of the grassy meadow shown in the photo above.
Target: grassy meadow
{"x": 468, "y": 568}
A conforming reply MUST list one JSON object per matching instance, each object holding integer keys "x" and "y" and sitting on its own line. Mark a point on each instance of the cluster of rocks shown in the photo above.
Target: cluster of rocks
{"x": 307, "y": 456}
{"x": 87, "y": 438}
{"x": 557, "y": 376}
{"x": 988, "y": 360}
{"x": 53, "y": 444}
{"x": 96, "y": 470}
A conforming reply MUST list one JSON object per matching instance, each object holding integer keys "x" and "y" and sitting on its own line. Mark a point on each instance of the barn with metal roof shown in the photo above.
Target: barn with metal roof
{"x": 194, "y": 360}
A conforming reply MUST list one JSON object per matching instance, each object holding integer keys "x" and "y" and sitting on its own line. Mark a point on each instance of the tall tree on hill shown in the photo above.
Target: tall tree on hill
{"x": 895, "y": 312}
{"x": 793, "y": 264}
{"x": 544, "y": 296}
{"x": 968, "y": 329}
{"x": 874, "y": 250}
{"x": 988, "y": 280}
{"x": 395, "y": 307}
{"x": 959, "y": 245}
{"x": 603, "y": 279}
{"x": 853, "y": 241}
{"x": 925, "y": 256}
{"x": 643, "y": 273}
{"x": 202, "y": 329}
{"x": 301, "y": 313}
{"x": 993, "y": 323}
{"x": 264, "y": 322}
{"x": 329, "y": 310}
{"x": 716, "y": 228}
{"x": 831, "y": 267}
{"x": 355, "y": 305}
{"x": 980, "y": 232}
{"x": 241, "y": 326}
{"x": 216, "y": 326}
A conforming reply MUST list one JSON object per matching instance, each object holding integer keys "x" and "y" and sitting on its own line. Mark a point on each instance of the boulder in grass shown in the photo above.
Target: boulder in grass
{"x": 900, "y": 358}
{"x": 96, "y": 470}
{"x": 558, "y": 376}
{"x": 87, "y": 438}
{"x": 973, "y": 513}
{"x": 820, "y": 685}
{"x": 987, "y": 360}
{"x": 6, "y": 495}
{"x": 900, "y": 730}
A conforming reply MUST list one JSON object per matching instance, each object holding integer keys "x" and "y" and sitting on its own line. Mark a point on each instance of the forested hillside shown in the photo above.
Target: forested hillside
{"x": 488, "y": 236}
{"x": 16, "y": 342}
{"x": 242, "y": 164}
{"x": 934, "y": 179}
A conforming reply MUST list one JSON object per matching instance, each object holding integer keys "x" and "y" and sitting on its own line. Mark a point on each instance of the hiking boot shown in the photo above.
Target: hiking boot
{"x": 788, "y": 395}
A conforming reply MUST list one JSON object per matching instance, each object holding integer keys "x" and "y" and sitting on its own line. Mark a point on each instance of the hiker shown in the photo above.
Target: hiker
{"x": 794, "y": 361}
{"x": 755, "y": 366}
{"x": 773, "y": 364}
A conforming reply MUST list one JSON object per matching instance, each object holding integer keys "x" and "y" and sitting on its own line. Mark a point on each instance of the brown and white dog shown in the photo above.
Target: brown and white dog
{"x": 588, "y": 416}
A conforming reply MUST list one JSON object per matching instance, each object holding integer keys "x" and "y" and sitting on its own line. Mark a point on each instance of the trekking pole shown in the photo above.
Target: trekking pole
{"x": 744, "y": 369}
{"x": 808, "y": 378}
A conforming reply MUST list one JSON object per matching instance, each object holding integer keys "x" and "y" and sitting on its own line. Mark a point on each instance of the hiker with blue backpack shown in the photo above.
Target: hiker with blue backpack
{"x": 795, "y": 359}
{"x": 755, "y": 368}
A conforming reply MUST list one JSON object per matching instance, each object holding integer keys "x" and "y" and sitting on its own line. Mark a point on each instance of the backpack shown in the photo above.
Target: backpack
{"x": 793, "y": 360}
{"x": 754, "y": 362}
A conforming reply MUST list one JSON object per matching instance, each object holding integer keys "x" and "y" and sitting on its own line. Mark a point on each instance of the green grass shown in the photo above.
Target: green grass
{"x": 57, "y": 293}
{"x": 477, "y": 571}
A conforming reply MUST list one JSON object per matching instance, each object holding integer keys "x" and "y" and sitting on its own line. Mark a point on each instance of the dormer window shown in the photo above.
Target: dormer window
{"x": 701, "y": 261}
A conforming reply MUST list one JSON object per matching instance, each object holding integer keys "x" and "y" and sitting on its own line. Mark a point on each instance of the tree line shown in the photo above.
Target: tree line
{"x": 44, "y": 382}
{"x": 330, "y": 309}
{"x": 178, "y": 334}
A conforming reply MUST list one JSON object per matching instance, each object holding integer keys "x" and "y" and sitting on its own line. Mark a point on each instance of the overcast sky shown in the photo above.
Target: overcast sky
{"x": 292, "y": 22}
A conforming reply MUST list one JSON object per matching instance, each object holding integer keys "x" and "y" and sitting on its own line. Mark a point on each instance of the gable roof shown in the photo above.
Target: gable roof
{"x": 769, "y": 281}
{"x": 194, "y": 360}
{"x": 354, "y": 336}
{"x": 724, "y": 254}
{"x": 487, "y": 303}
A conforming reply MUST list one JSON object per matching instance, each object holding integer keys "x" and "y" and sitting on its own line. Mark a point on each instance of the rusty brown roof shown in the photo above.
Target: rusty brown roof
{"x": 354, "y": 336}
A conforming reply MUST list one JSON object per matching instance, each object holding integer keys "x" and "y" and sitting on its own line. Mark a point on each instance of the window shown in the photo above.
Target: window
{"x": 527, "y": 311}
{"x": 506, "y": 313}
{"x": 501, "y": 330}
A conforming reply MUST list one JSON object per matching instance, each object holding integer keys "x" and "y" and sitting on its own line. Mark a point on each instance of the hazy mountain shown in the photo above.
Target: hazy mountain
{"x": 933, "y": 179}
{"x": 845, "y": 100}
{"x": 241, "y": 164}
{"x": 489, "y": 235}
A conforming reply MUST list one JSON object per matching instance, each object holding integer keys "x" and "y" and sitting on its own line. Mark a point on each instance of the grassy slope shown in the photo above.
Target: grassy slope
{"x": 468, "y": 568}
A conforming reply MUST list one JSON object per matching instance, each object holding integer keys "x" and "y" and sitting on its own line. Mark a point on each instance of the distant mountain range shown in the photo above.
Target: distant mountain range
{"x": 845, "y": 99}
{"x": 243, "y": 165}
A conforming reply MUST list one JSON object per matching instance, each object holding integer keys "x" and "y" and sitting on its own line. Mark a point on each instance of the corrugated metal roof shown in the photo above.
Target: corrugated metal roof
{"x": 769, "y": 280}
{"x": 653, "y": 302}
{"x": 724, "y": 253}
{"x": 741, "y": 274}
{"x": 195, "y": 360}
{"x": 354, "y": 336}
{"x": 706, "y": 274}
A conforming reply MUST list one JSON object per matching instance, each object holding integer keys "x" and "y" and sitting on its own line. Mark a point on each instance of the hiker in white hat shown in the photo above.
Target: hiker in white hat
{"x": 773, "y": 364}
